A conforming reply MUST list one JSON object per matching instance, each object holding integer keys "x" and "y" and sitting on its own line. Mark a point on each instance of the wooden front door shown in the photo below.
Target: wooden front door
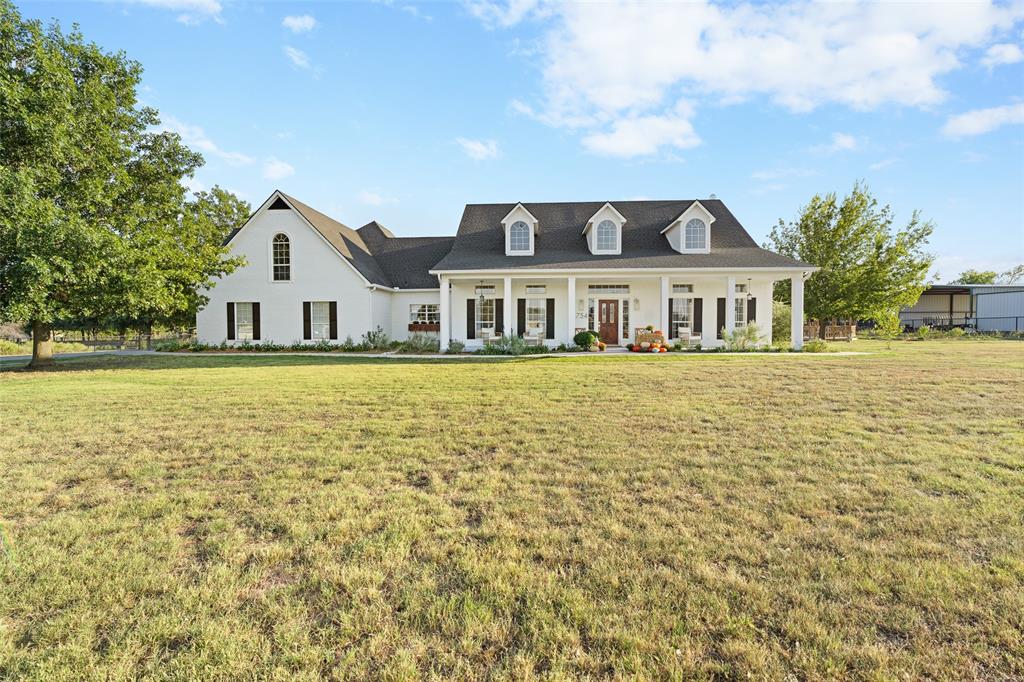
{"x": 608, "y": 321}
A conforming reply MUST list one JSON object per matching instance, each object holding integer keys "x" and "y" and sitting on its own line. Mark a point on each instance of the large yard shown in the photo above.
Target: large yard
{"x": 631, "y": 516}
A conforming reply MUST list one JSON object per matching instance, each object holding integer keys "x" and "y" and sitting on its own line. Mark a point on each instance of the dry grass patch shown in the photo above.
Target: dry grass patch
{"x": 631, "y": 516}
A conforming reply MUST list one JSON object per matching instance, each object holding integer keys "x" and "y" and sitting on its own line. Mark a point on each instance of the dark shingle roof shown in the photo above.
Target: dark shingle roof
{"x": 480, "y": 242}
{"x": 406, "y": 261}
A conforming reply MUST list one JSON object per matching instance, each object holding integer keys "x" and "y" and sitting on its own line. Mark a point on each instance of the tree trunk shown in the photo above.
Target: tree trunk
{"x": 822, "y": 324}
{"x": 42, "y": 345}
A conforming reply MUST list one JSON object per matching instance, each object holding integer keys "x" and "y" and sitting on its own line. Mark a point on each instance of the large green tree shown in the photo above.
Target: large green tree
{"x": 868, "y": 269}
{"x": 94, "y": 219}
{"x": 976, "y": 277}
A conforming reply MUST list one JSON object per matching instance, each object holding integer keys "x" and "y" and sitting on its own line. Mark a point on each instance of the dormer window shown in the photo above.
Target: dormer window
{"x": 521, "y": 228}
{"x": 607, "y": 236}
{"x": 604, "y": 231}
{"x": 690, "y": 232}
{"x": 519, "y": 237}
{"x": 696, "y": 235}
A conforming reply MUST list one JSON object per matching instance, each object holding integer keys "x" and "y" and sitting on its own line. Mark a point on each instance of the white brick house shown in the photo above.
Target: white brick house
{"x": 685, "y": 267}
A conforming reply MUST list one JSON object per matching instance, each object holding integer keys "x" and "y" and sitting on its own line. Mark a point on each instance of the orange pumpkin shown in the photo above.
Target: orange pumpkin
{"x": 664, "y": 350}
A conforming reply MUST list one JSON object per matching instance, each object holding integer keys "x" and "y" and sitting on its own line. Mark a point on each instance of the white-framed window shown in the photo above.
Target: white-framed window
{"x": 536, "y": 289}
{"x": 320, "y": 320}
{"x": 682, "y": 288}
{"x": 424, "y": 313}
{"x": 281, "y": 254}
{"x": 243, "y": 321}
{"x": 607, "y": 237}
{"x": 536, "y": 317}
{"x": 608, "y": 289}
{"x": 624, "y": 311}
{"x": 682, "y": 313}
{"x": 741, "y": 305}
{"x": 485, "y": 317}
{"x": 695, "y": 235}
{"x": 519, "y": 237}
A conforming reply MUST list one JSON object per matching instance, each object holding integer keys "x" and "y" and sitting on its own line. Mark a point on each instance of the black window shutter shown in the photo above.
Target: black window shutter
{"x": 752, "y": 310}
{"x": 499, "y": 316}
{"x": 521, "y": 316}
{"x": 307, "y": 320}
{"x": 470, "y": 318}
{"x": 549, "y": 327}
{"x": 333, "y": 305}
{"x": 231, "y": 321}
{"x": 256, "y": 321}
{"x": 671, "y": 324}
{"x": 697, "y": 324}
{"x": 721, "y": 317}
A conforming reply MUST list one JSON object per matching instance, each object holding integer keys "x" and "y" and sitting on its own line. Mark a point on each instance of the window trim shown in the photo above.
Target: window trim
{"x": 528, "y": 251}
{"x": 238, "y": 322}
{"x": 270, "y": 257}
{"x": 617, "y": 248}
{"x": 706, "y": 239}
{"x": 532, "y": 305}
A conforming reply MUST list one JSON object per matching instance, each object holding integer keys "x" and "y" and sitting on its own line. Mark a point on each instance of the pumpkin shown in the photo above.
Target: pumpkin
{"x": 655, "y": 350}
{"x": 645, "y": 344}
{"x": 664, "y": 350}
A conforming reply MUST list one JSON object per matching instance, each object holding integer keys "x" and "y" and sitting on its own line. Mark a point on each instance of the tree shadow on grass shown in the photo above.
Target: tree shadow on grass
{"x": 100, "y": 362}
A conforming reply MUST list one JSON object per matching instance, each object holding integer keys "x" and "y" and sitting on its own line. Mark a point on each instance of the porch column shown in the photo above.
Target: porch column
{"x": 570, "y": 309}
{"x": 507, "y": 307}
{"x": 444, "y": 335}
{"x": 797, "y": 315}
{"x": 730, "y": 304}
{"x": 665, "y": 322}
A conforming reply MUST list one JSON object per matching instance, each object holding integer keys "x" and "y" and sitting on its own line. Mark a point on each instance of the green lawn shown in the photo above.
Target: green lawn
{"x": 631, "y": 516}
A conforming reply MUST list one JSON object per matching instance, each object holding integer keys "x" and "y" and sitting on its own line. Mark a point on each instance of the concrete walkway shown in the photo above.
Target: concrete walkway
{"x": 408, "y": 356}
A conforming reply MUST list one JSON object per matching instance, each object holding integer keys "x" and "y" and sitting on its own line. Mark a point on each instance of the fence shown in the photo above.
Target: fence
{"x": 914, "y": 321}
{"x": 121, "y": 342}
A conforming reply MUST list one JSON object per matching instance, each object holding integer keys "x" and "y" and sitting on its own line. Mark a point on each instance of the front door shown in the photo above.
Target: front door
{"x": 608, "y": 321}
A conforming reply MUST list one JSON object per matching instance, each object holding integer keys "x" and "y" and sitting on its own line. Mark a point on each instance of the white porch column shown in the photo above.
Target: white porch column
{"x": 506, "y": 311}
{"x": 444, "y": 336}
{"x": 730, "y": 304}
{"x": 797, "y": 314}
{"x": 665, "y": 322}
{"x": 570, "y": 312}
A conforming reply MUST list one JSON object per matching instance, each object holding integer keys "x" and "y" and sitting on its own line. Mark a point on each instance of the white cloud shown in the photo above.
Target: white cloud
{"x": 196, "y": 138}
{"x": 841, "y": 142}
{"x": 299, "y": 23}
{"x": 479, "y": 150}
{"x": 610, "y": 63}
{"x": 192, "y": 11}
{"x": 884, "y": 163}
{"x": 980, "y": 121}
{"x": 642, "y": 136}
{"x": 413, "y": 10}
{"x": 276, "y": 169}
{"x": 374, "y": 198}
{"x": 1004, "y": 53}
{"x": 297, "y": 57}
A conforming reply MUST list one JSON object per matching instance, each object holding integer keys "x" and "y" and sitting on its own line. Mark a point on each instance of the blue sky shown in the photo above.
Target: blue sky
{"x": 405, "y": 112}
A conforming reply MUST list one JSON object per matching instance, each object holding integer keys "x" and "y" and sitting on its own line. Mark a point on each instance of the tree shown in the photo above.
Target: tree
{"x": 93, "y": 215}
{"x": 868, "y": 272}
{"x": 976, "y": 277}
{"x": 1012, "y": 276}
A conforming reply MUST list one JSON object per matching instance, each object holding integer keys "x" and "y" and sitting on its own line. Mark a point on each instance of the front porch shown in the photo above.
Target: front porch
{"x": 549, "y": 308}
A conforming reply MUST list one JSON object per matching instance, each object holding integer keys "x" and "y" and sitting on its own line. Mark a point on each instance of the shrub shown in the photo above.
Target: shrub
{"x": 781, "y": 321}
{"x": 585, "y": 339}
{"x": 376, "y": 340}
{"x": 817, "y": 346}
{"x": 746, "y": 337}
{"x": 956, "y": 332}
{"x": 508, "y": 344}
{"x": 420, "y": 343}
{"x": 923, "y": 332}
{"x": 455, "y": 347}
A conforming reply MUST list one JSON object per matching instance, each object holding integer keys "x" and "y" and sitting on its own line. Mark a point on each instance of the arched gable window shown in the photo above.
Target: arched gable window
{"x": 696, "y": 234}
{"x": 607, "y": 236}
{"x": 282, "y": 258}
{"x": 519, "y": 236}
